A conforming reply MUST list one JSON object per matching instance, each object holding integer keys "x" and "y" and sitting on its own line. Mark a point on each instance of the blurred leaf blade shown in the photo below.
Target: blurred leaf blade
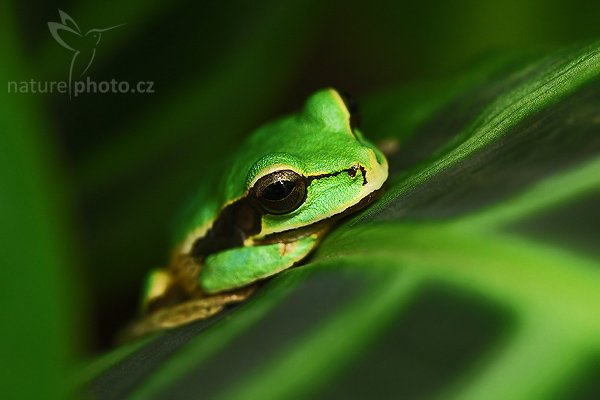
{"x": 554, "y": 78}
{"x": 516, "y": 273}
{"x": 38, "y": 289}
{"x": 549, "y": 193}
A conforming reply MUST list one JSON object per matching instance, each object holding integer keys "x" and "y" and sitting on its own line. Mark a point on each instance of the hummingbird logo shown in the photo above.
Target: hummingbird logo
{"x": 83, "y": 45}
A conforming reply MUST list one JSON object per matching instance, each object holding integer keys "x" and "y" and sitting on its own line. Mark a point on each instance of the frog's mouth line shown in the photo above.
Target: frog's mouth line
{"x": 242, "y": 219}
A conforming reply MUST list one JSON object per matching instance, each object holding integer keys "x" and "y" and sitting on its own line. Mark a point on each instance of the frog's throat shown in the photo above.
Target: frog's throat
{"x": 241, "y": 220}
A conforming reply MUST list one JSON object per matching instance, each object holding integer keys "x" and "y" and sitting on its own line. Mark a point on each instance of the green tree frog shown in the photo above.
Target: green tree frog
{"x": 289, "y": 182}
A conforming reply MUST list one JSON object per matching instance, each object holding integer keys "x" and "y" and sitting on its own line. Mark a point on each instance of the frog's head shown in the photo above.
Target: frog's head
{"x": 308, "y": 167}
{"x": 289, "y": 179}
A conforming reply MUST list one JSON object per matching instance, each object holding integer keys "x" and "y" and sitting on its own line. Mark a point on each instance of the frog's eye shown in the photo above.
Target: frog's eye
{"x": 280, "y": 192}
{"x": 352, "y": 107}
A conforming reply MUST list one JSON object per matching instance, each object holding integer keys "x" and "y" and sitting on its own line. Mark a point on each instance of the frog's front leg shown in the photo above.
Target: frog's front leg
{"x": 175, "y": 284}
{"x": 190, "y": 310}
{"x": 158, "y": 290}
{"x": 172, "y": 297}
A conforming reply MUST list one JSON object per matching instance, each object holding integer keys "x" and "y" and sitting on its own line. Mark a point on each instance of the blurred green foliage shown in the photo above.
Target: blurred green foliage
{"x": 89, "y": 186}
{"x": 38, "y": 293}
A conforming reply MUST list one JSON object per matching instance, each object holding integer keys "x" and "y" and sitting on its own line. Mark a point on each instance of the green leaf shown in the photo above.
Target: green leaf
{"x": 460, "y": 282}
{"x": 37, "y": 289}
